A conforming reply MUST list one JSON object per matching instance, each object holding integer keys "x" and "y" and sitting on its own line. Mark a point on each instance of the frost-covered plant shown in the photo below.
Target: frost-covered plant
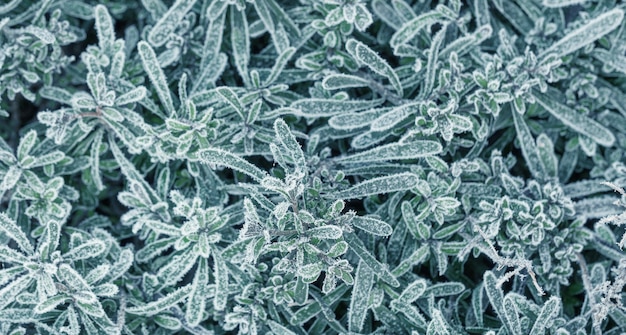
{"x": 312, "y": 166}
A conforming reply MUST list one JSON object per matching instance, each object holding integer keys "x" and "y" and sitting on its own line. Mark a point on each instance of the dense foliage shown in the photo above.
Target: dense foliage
{"x": 312, "y": 166}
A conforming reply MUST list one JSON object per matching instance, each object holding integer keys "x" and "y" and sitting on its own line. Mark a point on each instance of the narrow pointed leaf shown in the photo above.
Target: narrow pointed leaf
{"x": 578, "y": 122}
{"x": 166, "y": 25}
{"x": 161, "y": 304}
{"x": 104, "y": 29}
{"x": 412, "y": 28}
{"x": 380, "y": 269}
{"x": 363, "y": 282}
{"x": 529, "y": 150}
{"x": 587, "y": 33}
{"x": 373, "y": 226}
{"x": 155, "y": 73}
{"x": 225, "y": 158}
{"x": 196, "y": 303}
{"x": 10, "y": 228}
{"x": 221, "y": 281}
{"x": 366, "y": 56}
{"x": 395, "y": 151}
{"x": 380, "y": 185}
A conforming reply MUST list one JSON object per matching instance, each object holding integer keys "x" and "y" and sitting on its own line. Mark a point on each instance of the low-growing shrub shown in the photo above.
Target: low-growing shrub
{"x": 312, "y": 167}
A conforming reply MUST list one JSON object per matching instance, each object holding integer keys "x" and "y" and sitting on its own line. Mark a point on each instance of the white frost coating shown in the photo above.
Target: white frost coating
{"x": 593, "y": 30}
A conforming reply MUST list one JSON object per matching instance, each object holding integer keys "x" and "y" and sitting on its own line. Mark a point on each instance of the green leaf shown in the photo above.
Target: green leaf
{"x": 135, "y": 95}
{"x": 70, "y": 276}
{"x": 315, "y": 107}
{"x": 413, "y": 291}
{"x": 240, "y": 41}
{"x": 86, "y": 250}
{"x": 444, "y": 289}
{"x": 104, "y": 29}
{"x": 13, "y": 289}
{"x": 575, "y": 120}
{"x": 561, "y": 3}
{"x": 276, "y": 327}
{"x": 432, "y": 66}
{"x": 395, "y": 151}
{"x": 196, "y": 303}
{"x": 232, "y": 99}
{"x": 221, "y": 281}
{"x": 27, "y": 142}
{"x": 380, "y": 185}
{"x": 546, "y": 316}
{"x": 586, "y": 34}
{"x": 161, "y": 304}
{"x": 167, "y": 24}
{"x": 340, "y": 81}
{"x": 279, "y": 66}
{"x": 168, "y": 322}
{"x": 545, "y": 149}
{"x": 363, "y": 282}
{"x": 328, "y": 232}
{"x": 288, "y": 142}
{"x": 9, "y": 227}
{"x": 50, "y": 304}
{"x": 381, "y": 270}
{"x": 155, "y": 73}
{"x": 529, "y": 150}
{"x": 373, "y": 226}
{"x": 412, "y": 28}
{"x": 366, "y": 56}
{"x": 177, "y": 267}
{"x": 417, "y": 257}
{"x": 225, "y": 158}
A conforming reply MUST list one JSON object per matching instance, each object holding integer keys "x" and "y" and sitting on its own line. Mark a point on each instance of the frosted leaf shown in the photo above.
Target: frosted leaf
{"x": 27, "y": 142}
{"x": 586, "y": 34}
{"x": 396, "y": 115}
{"x": 387, "y": 14}
{"x": 221, "y": 281}
{"x": 373, "y": 226}
{"x": 89, "y": 249}
{"x": 240, "y": 41}
{"x": 11, "y": 291}
{"x": 232, "y": 99}
{"x": 329, "y": 232}
{"x": 225, "y": 158}
{"x": 412, "y": 28}
{"x": 135, "y": 95}
{"x": 380, "y": 185}
{"x": 366, "y": 56}
{"x": 277, "y": 328}
{"x": 444, "y": 289}
{"x": 10, "y": 228}
{"x": 511, "y": 318}
{"x": 288, "y": 142}
{"x": 578, "y": 122}
{"x": 545, "y": 149}
{"x": 315, "y": 107}
{"x": 339, "y": 81}
{"x": 74, "y": 279}
{"x": 172, "y": 272}
{"x": 155, "y": 73}
{"x": 104, "y": 29}
{"x": 168, "y": 322}
{"x": 562, "y": 3}
{"x": 431, "y": 65}
{"x": 413, "y": 291}
{"x": 167, "y": 23}
{"x": 546, "y": 316}
{"x": 363, "y": 282}
{"x": 279, "y": 66}
{"x": 395, "y": 151}
{"x": 353, "y": 121}
{"x": 161, "y": 304}
{"x": 196, "y": 303}
{"x": 611, "y": 59}
{"x": 16, "y": 315}
{"x": 409, "y": 311}
{"x": 529, "y": 150}
{"x": 381, "y": 270}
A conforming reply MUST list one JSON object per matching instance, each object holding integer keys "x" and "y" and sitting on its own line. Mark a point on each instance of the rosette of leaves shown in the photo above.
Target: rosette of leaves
{"x": 65, "y": 281}
{"x": 32, "y": 51}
